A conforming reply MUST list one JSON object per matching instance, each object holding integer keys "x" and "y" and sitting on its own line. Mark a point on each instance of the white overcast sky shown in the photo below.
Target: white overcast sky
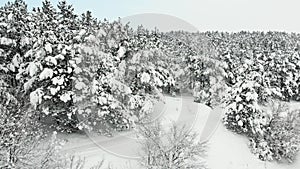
{"x": 222, "y": 15}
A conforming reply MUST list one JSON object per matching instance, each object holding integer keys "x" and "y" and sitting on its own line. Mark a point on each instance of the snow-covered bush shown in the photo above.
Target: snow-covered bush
{"x": 20, "y": 133}
{"x": 170, "y": 149}
{"x": 23, "y": 140}
{"x": 273, "y": 134}
{"x": 284, "y": 136}
{"x": 261, "y": 148}
{"x": 35, "y": 152}
{"x": 281, "y": 140}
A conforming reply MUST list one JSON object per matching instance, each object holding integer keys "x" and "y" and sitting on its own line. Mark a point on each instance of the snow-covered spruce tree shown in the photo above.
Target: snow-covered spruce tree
{"x": 14, "y": 40}
{"x": 243, "y": 114}
{"x": 87, "y": 21}
{"x": 208, "y": 77}
{"x": 173, "y": 148}
{"x": 56, "y": 59}
{"x": 147, "y": 71}
{"x": 274, "y": 55}
{"x": 196, "y": 66}
{"x": 176, "y": 51}
{"x": 273, "y": 68}
{"x": 97, "y": 89}
{"x": 147, "y": 64}
{"x": 116, "y": 88}
{"x": 48, "y": 70}
{"x": 19, "y": 131}
{"x": 169, "y": 56}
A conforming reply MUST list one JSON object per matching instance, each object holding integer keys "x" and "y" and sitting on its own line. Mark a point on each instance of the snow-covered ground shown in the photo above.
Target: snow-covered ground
{"x": 226, "y": 150}
{"x": 122, "y": 150}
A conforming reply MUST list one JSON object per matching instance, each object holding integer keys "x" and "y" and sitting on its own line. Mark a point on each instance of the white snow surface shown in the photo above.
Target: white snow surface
{"x": 226, "y": 150}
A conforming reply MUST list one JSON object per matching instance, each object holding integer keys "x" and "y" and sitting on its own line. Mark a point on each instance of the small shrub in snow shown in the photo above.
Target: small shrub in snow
{"x": 23, "y": 142}
{"x": 171, "y": 149}
{"x": 281, "y": 142}
{"x": 284, "y": 137}
{"x": 274, "y": 134}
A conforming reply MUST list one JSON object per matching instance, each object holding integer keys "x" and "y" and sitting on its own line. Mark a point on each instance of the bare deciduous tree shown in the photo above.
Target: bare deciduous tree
{"x": 171, "y": 149}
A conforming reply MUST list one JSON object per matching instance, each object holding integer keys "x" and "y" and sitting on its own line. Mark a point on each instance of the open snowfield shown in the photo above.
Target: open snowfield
{"x": 226, "y": 150}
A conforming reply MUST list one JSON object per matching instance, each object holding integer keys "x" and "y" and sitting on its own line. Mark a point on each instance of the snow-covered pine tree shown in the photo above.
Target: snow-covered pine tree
{"x": 88, "y": 21}
{"x": 49, "y": 68}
